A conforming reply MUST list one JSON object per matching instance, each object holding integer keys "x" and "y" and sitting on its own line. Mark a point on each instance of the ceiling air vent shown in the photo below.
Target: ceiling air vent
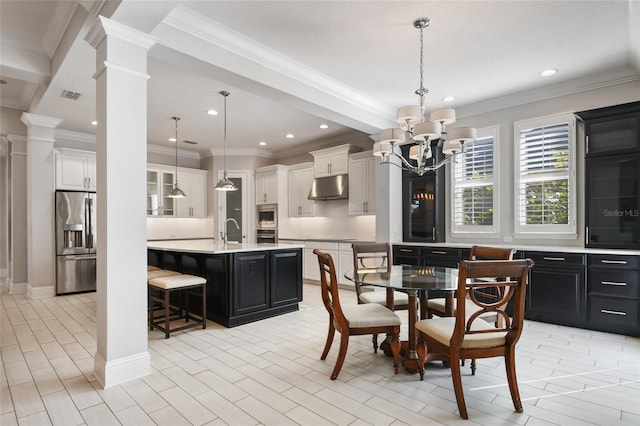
{"x": 191, "y": 142}
{"x": 68, "y": 94}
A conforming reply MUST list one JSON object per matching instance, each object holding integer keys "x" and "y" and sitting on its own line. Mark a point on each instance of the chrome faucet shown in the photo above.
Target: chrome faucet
{"x": 226, "y": 223}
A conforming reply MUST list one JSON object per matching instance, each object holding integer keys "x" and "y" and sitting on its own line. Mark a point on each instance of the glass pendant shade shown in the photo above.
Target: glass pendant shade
{"x": 176, "y": 192}
{"x": 225, "y": 184}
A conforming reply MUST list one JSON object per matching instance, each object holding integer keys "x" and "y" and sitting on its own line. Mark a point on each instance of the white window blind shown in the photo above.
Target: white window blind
{"x": 474, "y": 197}
{"x": 545, "y": 175}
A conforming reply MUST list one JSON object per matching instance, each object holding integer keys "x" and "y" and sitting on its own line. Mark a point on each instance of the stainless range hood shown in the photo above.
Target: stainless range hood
{"x": 330, "y": 188}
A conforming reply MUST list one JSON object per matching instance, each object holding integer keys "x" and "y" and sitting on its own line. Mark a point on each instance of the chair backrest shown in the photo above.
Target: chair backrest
{"x": 485, "y": 274}
{"x": 490, "y": 253}
{"x": 370, "y": 256}
{"x": 329, "y": 289}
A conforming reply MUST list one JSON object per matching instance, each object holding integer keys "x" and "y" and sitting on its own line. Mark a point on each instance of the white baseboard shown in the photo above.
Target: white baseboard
{"x": 39, "y": 292}
{"x": 115, "y": 372}
{"x": 17, "y": 288}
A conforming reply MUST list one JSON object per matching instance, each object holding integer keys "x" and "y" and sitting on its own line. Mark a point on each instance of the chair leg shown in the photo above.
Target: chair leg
{"x": 204, "y": 306}
{"x": 327, "y": 345}
{"x": 421, "y": 349}
{"x": 167, "y": 314}
{"x": 473, "y": 367}
{"x": 456, "y": 377}
{"x": 395, "y": 350}
{"x": 342, "y": 353}
{"x": 510, "y": 365}
{"x": 374, "y": 340}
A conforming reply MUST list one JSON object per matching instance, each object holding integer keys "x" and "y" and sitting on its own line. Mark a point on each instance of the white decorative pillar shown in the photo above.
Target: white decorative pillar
{"x": 121, "y": 141}
{"x": 388, "y": 203}
{"x": 40, "y": 189}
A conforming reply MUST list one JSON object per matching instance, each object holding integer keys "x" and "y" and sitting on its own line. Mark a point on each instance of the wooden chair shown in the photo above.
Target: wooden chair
{"x": 375, "y": 256}
{"x": 437, "y": 306}
{"x": 468, "y": 336}
{"x": 370, "y": 318}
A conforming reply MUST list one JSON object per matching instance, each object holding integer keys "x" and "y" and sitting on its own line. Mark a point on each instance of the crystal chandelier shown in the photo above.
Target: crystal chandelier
{"x": 424, "y": 136}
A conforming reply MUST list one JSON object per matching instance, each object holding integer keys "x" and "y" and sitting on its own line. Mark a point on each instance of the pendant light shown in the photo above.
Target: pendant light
{"x": 225, "y": 184}
{"x": 176, "y": 192}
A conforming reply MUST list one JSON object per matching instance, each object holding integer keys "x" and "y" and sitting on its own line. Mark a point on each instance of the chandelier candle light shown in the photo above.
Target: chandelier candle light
{"x": 225, "y": 184}
{"x": 176, "y": 192}
{"x": 423, "y": 134}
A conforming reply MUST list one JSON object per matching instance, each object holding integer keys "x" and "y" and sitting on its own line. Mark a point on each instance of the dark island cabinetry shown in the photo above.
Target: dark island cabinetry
{"x": 242, "y": 286}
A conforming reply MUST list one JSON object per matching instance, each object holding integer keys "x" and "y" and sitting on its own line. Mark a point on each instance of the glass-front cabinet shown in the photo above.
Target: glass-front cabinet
{"x": 612, "y": 179}
{"x": 423, "y": 207}
{"x": 159, "y": 184}
{"x": 613, "y": 208}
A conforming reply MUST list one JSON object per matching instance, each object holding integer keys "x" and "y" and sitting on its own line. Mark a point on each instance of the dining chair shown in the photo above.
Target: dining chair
{"x": 466, "y": 335}
{"x": 437, "y": 306}
{"x": 353, "y": 320}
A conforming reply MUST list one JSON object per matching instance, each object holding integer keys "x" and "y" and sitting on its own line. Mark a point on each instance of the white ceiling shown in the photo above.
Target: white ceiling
{"x": 292, "y": 65}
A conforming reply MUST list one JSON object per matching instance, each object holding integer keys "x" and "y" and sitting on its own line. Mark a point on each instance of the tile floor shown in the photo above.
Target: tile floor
{"x": 270, "y": 373}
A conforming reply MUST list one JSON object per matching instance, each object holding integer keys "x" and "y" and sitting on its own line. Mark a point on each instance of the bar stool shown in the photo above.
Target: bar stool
{"x": 160, "y": 289}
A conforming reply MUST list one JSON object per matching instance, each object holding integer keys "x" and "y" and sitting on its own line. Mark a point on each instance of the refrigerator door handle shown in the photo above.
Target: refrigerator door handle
{"x": 88, "y": 214}
{"x": 71, "y": 258}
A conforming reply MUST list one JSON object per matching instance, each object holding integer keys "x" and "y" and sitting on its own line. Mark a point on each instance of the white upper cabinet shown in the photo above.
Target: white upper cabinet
{"x": 160, "y": 181}
{"x": 75, "y": 170}
{"x": 194, "y": 184}
{"x": 331, "y": 161}
{"x": 270, "y": 182}
{"x": 300, "y": 181}
{"x": 362, "y": 184}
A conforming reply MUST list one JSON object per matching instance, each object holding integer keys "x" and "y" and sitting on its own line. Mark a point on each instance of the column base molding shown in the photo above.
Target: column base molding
{"x": 121, "y": 370}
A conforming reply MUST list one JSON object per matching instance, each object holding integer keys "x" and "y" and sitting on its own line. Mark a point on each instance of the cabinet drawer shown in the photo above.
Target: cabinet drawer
{"x": 406, "y": 250}
{"x": 604, "y": 310}
{"x": 614, "y": 283}
{"x": 556, "y": 259}
{"x": 614, "y": 261}
{"x": 440, "y": 252}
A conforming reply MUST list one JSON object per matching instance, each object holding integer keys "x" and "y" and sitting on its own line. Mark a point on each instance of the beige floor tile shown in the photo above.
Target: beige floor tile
{"x": 36, "y": 359}
{"x": 148, "y": 399}
{"x": 224, "y": 409}
{"x": 169, "y": 416}
{"x": 37, "y": 419}
{"x": 26, "y": 399}
{"x": 47, "y": 380}
{"x": 186, "y": 405}
{"x": 134, "y": 416}
{"x": 62, "y": 411}
{"x": 99, "y": 415}
{"x": 6, "y": 404}
{"x": 17, "y": 372}
{"x": 8, "y": 419}
{"x": 115, "y": 397}
{"x": 65, "y": 368}
{"x": 263, "y": 412}
{"x": 82, "y": 393}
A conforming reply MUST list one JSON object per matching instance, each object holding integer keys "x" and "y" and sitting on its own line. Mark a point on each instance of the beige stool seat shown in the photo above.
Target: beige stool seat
{"x": 152, "y": 268}
{"x": 158, "y": 273}
{"x": 160, "y": 289}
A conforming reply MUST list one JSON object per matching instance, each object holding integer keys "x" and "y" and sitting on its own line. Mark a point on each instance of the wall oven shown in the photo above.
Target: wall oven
{"x": 267, "y": 216}
{"x": 267, "y": 236}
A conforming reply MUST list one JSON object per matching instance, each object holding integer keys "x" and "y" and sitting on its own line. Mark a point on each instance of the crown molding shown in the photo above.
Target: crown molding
{"x": 165, "y": 150}
{"x": 70, "y": 135}
{"x": 240, "y": 152}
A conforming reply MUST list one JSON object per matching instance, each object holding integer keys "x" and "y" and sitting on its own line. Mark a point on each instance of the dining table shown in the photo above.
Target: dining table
{"x": 416, "y": 281}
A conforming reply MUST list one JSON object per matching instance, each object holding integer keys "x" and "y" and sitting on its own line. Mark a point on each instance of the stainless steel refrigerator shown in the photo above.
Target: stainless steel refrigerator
{"x": 75, "y": 241}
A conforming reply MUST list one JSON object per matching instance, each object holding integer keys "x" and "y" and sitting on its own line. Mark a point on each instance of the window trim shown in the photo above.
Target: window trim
{"x": 491, "y": 131}
{"x": 550, "y": 231}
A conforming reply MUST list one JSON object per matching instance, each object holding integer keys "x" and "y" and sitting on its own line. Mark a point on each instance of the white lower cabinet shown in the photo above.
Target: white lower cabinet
{"x": 342, "y": 256}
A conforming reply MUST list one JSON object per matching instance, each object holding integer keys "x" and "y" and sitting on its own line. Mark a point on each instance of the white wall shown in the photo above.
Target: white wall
{"x": 505, "y": 118}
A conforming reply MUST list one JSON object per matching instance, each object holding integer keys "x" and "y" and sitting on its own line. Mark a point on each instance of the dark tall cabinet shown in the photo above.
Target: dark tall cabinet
{"x": 423, "y": 205}
{"x": 612, "y": 176}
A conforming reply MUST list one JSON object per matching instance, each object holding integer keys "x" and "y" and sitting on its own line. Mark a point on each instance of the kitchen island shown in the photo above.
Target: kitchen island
{"x": 245, "y": 282}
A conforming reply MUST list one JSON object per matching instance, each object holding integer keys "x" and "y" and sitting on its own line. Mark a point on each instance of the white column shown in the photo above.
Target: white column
{"x": 40, "y": 190}
{"x": 388, "y": 203}
{"x": 121, "y": 141}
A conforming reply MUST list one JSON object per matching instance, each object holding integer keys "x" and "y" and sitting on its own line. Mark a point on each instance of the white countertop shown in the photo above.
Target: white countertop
{"x": 209, "y": 246}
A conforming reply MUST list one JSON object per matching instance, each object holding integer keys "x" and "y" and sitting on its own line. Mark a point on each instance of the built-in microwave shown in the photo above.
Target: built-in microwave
{"x": 267, "y": 216}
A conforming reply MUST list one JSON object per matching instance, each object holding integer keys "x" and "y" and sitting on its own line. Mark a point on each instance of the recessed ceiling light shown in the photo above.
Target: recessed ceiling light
{"x": 449, "y": 99}
{"x": 212, "y": 112}
{"x": 172, "y": 139}
{"x": 548, "y": 73}
{"x": 262, "y": 143}
{"x": 94, "y": 123}
{"x": 324, "y": 126}
{"x": 289, "y": 136}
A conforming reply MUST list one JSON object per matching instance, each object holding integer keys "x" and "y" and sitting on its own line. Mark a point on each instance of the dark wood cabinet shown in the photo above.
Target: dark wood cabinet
{"x": 407, "y": 255}
{"x": 250, "y": 282}
{"x": 612, "y": 176}
{"x": 614, "y": 293}
{"x": 423, "y": 200}
{"x": 242, "y": 286}
{"x": 557, "y": 288}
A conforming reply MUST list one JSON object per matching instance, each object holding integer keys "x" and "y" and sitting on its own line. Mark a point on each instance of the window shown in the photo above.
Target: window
{"x": 474, "y": 198}
{"x": 545, "y": 176}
